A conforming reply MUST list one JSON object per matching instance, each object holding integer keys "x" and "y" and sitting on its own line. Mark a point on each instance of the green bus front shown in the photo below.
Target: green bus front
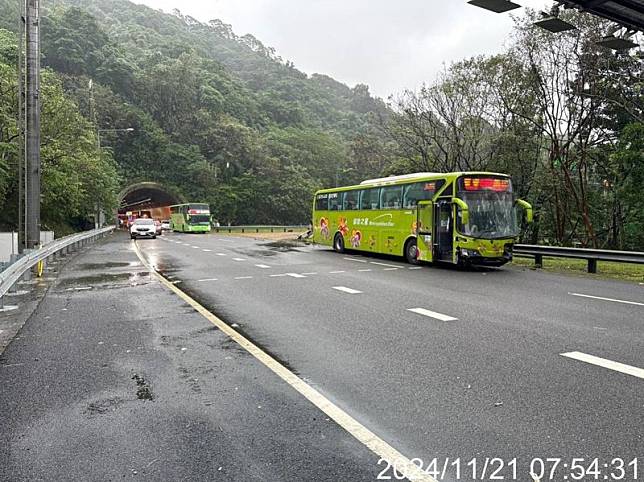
{"x": 458, "y": 218}
{"x": 190, "y": 218}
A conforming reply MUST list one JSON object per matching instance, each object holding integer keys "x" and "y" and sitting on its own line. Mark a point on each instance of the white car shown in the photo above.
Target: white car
{"x": 165, "y": 225}
{"x": 143, "y": 228}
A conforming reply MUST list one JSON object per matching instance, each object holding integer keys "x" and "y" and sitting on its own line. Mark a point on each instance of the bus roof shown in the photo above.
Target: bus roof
{"x": 409, "y": 178}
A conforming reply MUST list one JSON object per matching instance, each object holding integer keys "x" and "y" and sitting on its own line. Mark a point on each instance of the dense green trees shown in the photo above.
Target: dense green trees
{"x": 223, "y": 119}
{"x": 76, "y": 174}
{"x": 558, "y": 112}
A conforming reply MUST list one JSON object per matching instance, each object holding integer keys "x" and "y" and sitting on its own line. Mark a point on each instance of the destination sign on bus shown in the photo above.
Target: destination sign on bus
{"x": 486, "y": 184}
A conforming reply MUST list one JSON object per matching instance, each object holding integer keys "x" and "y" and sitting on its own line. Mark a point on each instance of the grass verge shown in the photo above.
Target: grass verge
{"x": 620, "y": 271}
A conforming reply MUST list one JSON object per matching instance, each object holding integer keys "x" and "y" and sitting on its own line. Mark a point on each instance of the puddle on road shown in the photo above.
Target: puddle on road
{"x": 109, "y": 264}
{"x": 106, "y": 279}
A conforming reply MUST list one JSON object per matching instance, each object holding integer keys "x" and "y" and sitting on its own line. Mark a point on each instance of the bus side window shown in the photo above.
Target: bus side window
{"x": 350, "y": 202}
{"x": 334, "y": 201}
{"x": 369, "y": 199}
{"x": 322, "y": 202}
{"x": 391, "y": 197}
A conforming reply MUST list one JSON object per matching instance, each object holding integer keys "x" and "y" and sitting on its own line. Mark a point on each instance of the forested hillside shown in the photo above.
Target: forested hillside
{"x": 217, "y": 117}
{"x": 223, "y": 119}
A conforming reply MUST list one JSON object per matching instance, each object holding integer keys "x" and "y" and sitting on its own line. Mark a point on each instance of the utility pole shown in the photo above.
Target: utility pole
{"x": 21, "y": 129}
{"x": 32, "y": 135}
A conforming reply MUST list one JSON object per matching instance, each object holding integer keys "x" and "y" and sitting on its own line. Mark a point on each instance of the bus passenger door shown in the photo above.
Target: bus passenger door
{"x": 424, "y": 225}
{"x": 444, "y": 230}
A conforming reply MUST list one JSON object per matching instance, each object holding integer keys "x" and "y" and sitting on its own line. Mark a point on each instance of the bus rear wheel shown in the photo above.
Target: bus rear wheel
{"x": 411, "y": 252}
{"x": 338, "y": 243}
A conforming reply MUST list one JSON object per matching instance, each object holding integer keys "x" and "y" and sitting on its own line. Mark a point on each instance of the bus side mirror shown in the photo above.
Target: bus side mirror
{"x": 465, "y": 212}
{"x": 527, "y": 207}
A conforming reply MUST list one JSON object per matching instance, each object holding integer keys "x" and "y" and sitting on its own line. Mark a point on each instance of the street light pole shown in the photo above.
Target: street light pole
{"x": 32, "y": 174}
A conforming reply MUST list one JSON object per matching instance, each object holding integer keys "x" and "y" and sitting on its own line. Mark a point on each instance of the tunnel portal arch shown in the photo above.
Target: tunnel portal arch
{"x": 147, "y": 195}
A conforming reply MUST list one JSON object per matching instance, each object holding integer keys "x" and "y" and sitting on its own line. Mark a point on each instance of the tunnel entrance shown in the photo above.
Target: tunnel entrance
{"x": 146, "y": 199}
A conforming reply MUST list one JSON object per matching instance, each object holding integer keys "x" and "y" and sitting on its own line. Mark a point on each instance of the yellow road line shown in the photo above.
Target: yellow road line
{"x": 378, "y": 446}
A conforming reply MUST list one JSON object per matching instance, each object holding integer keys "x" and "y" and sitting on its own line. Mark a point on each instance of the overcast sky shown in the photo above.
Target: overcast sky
{"x": 389, "y": 45}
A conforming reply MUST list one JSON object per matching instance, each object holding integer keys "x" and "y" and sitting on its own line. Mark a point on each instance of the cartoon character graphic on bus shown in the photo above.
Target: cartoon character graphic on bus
{"x": 342, "y": 226}
{"x": 324, "y": 228}
{"x": 356, "y": 237}
{"x": 372, "y": 242}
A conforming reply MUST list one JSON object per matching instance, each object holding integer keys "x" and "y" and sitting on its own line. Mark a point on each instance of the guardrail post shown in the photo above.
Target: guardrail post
{"x": 592, "y": 266}
{"x": 538, "y": 260}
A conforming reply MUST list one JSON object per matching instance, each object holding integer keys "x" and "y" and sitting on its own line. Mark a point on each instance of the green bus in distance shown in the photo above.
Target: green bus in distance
{"x": 190, "y": 218}
{"x": 465, "y": 218}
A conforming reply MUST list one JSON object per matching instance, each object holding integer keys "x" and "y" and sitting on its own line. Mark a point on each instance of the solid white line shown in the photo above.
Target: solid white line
{"x": 239, "y": 259}
{"x": 207, "y": 250}
{"x": 351, "y": 291}
{"x": 336, "y": 272}
{"x": 364, "y": 270}
{"x": 607, "y": 299}
{"x": 356, "y": 260}
{"x": 243, "y": 277}
{"x": 295, "y": 275}
{"x": 385, "y": 264}
{"x": 207, "y": 279}
{"x": 432, "y": 314}
{"x": 390, "y": 269}
{"x": 365, "y": 436}
{"x": 603, "y": 362}
{"x": 263, "y": 266}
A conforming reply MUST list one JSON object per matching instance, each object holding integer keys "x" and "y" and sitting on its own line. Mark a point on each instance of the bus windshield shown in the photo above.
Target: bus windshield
{"x": 492, "y": 213}
{"x": 198, "y": 218}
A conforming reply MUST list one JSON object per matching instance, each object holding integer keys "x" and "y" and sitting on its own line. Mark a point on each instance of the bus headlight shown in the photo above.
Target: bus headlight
{"x": 468, "y": 253}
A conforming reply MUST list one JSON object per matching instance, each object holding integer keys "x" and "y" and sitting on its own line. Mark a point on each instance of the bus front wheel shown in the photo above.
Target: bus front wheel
{"x": 411, "y": 252}
{"x": 338, "y": 243}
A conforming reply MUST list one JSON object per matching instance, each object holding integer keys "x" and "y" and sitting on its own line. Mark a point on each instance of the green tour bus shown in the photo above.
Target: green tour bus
{"x": 466, "y": 218}
{"x": 190, "y": 218}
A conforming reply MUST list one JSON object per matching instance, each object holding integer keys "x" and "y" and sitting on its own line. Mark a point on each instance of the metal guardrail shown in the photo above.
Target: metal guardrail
{"x": 591, "y": 255}
{"x": 11, "y": 275}
{"x": 259, "y": 228}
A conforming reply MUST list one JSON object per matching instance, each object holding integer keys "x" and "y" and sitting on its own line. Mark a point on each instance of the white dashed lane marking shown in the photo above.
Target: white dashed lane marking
{"x": 243, "y": 277}
{"x": 207, "y": 250}
{"x": 207, "y": 279}
{"x": 239, "y": 259}
{"x": 432, "y": 314}
{"x": 607, "y": 299}
{"x": 385, "y": 264}
{"x": 356, "y": 260}
{"x": 364, "y": 270}
{"x": 309, "y": 274}
{"x": 344, "y": 289}
{"x": 390, "y": 269}
{"x": 277, "y": 275}
{"x": 263, "y": 266}
{"x": 336, "y": 272}
{"x": 603, "y": 362}
{"x": 416, "y": 267}
{"x": 221, "y": 254}
{"x": 295, "y": 275}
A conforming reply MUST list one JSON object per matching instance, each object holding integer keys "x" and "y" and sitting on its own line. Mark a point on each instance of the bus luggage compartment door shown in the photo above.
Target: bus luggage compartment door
{"x": 424, "y": 224}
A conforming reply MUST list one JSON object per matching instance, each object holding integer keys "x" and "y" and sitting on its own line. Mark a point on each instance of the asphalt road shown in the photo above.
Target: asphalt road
{"x": 475, "y": 371}
{"x": 114, "y": 377}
